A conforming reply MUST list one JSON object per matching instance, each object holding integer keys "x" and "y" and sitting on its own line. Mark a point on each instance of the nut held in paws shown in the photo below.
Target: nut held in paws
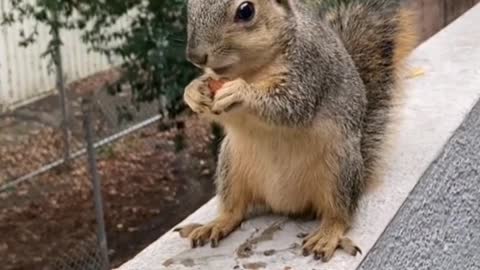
{"x": 215, "y": 85}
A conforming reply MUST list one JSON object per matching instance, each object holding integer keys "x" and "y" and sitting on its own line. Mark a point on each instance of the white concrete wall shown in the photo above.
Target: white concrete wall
{"x": 24, "y": 76}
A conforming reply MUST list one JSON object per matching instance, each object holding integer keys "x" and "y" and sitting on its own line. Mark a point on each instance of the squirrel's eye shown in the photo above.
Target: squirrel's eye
{"x": 245, "y": 12}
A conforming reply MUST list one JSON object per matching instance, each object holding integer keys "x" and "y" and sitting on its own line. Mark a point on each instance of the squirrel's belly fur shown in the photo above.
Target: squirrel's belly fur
{"x": 291, "y": 171}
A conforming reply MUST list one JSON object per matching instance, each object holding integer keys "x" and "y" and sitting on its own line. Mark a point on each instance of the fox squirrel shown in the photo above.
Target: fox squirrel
{"x": 306, "y": 106}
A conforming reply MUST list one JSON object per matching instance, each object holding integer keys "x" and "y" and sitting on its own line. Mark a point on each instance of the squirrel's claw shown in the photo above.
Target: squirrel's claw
{"x": 323, "y": 245}
{"x": 186, "y": 230}
{"x": 200, "y": 235}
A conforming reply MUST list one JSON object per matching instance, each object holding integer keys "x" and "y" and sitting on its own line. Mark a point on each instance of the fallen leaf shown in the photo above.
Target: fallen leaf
{"x": 416, "y": 73}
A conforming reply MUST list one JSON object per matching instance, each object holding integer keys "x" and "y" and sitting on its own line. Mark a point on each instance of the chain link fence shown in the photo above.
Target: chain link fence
{"x": 122, "y": 186}
{"x": 57, "y": 121}
{"x": 88, "y": 179}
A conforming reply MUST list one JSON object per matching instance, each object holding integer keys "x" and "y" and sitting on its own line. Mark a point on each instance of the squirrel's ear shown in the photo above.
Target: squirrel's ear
{"x": 286, "y": 4}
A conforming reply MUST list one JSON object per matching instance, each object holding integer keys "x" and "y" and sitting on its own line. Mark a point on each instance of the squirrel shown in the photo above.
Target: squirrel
{"x": 306, "y": 107}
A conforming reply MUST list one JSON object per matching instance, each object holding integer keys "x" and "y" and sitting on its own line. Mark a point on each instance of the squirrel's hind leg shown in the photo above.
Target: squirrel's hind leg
{"x": 337, "y": 204}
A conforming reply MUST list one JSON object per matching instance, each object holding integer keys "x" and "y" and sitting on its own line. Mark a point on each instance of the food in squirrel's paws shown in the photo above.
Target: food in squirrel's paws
{"x": 215, "y": 85}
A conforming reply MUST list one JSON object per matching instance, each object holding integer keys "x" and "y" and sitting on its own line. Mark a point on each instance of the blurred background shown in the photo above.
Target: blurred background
{"x": 98, "y": 154}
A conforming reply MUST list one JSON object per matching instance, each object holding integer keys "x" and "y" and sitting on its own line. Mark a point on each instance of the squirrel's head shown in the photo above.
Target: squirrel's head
{"x": 232, "y": 37}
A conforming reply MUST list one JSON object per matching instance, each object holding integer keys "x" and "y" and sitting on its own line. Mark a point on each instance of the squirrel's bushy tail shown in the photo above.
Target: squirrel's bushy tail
{"x": 379, "y": 35}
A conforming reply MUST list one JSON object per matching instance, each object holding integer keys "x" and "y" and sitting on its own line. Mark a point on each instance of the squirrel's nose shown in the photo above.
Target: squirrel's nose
{"x": 197, "y": 58}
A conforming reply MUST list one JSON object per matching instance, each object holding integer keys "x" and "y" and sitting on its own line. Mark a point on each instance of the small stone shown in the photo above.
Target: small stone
{"x": 302, "y": 235}
{"x": 269, "y": 252}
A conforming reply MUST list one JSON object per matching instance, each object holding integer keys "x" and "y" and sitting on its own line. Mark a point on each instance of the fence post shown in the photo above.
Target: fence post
{"x": 60, "y": 85}
{"x": 97, "y": 194}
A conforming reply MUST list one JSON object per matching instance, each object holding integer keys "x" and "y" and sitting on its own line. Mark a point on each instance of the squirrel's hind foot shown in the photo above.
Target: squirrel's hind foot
{"x": 324, "y": 242}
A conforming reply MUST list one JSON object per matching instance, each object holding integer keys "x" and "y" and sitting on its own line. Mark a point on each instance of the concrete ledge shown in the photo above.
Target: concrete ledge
{"x": 437, "y": 103}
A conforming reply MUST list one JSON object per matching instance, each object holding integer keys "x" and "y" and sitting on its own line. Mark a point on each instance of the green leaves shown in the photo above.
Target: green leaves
{"x": 152, "y": 46}
{"x": 147, "y": 35}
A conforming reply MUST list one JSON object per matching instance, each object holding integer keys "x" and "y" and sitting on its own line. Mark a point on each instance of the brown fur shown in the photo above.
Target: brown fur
{"x": 257, "y": 178}
{"x": 406, "y": 38}
{"x": 312, "y": 109}
{"x": 260, "y": 174}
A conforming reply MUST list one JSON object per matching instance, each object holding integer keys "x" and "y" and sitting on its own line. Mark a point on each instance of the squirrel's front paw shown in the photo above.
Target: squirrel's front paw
{"x": 231, "y": 94}
{"x": 197, "y": 96}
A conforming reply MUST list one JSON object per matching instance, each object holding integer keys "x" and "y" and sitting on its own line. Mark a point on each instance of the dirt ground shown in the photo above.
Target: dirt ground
{"x": 148, "y": 187}
{"x": 151, "y": 180}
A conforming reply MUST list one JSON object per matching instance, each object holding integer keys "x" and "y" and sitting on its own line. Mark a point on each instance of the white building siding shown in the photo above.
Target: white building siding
{"x": 25, "y": 77}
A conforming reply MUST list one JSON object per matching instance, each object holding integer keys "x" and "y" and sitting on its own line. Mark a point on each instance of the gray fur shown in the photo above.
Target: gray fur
{"x": 322, "y": 80}
{"x": 202, "y": 13}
